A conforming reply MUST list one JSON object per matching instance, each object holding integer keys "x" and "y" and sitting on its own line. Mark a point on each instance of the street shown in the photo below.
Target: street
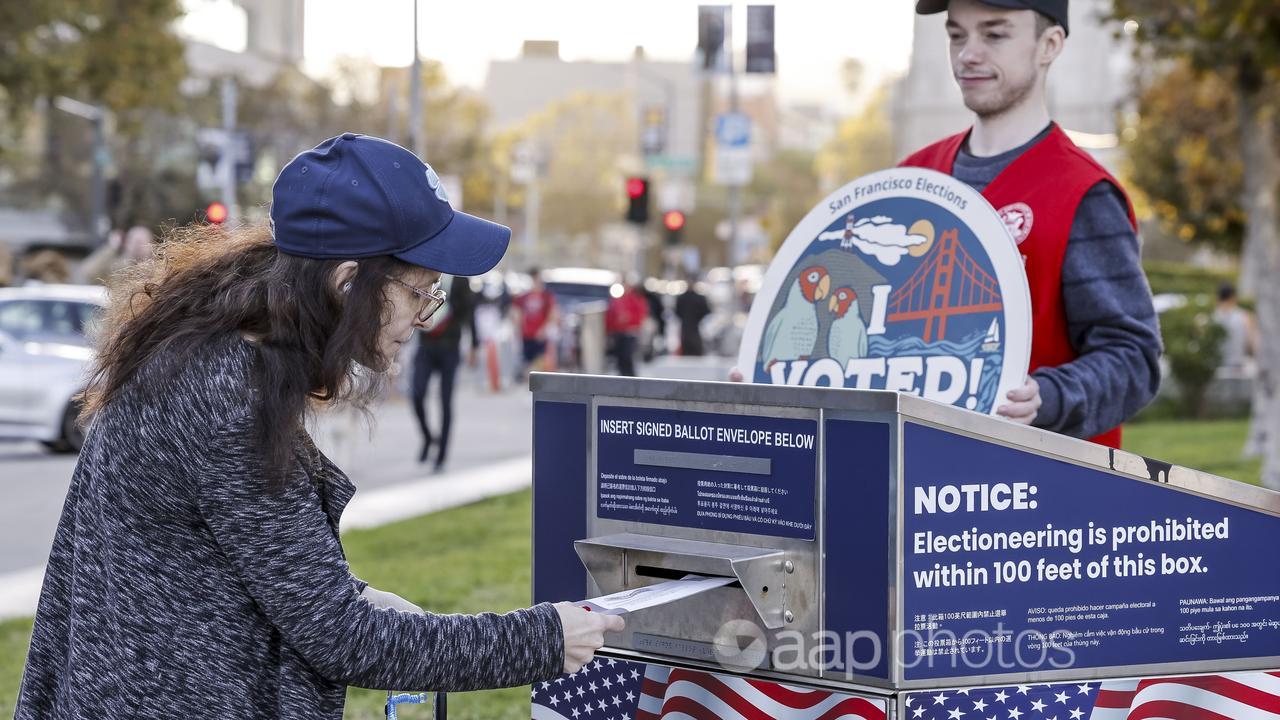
{"x": 487, "y": 428}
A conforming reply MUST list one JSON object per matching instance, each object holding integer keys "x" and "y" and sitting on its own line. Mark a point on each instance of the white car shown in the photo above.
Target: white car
{"x": 44, "y": 354}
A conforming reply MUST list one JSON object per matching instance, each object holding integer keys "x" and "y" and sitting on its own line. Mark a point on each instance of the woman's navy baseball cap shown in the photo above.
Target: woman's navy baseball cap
{"x": 355, "y": 196}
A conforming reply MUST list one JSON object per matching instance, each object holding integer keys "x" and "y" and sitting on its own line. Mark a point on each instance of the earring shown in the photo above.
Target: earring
{"x": 346, "y": 287}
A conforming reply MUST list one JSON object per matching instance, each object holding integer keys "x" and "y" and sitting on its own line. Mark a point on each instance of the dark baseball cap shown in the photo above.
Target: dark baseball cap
{"x": 1055, "y": 10}
{"x": 356, "y": 196}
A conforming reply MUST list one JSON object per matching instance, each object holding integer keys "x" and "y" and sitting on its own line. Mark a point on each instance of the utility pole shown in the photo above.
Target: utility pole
{"x": 532, "y": 211}
{"x": 230, "y": 149}
{"x": 526, "y": 167}
{"x": 641, "y": 238}
{"x": 735, "y": 192}
{"x": 417, "y": 139}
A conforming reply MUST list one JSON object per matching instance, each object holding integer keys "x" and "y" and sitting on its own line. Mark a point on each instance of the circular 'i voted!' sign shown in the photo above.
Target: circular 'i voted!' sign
{"x": 905, "y": 280}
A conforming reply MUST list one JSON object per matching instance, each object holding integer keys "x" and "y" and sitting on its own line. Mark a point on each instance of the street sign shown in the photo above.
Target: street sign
{"x": 212, "y": 144}
{"x": 653, "y": 131}
{"x": 681, "y": 163}
{"x": 733, "y": 129}
{"x": 525, "y": 163}
{"x": 733, "y": 149}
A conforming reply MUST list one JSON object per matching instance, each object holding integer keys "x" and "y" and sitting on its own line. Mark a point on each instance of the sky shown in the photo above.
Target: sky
{"x": 813, "y": 37}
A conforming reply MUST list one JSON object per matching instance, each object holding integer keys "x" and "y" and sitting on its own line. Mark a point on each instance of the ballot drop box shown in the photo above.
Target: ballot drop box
{"x": 888, "y": 556}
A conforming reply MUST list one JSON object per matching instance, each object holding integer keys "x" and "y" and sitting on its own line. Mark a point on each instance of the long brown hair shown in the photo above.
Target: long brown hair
{"x": 206, "y": 282}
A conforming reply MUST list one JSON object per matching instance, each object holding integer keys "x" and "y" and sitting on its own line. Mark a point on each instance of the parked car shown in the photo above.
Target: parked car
{"x": 575, "y": 286}
{"x": 44, "y": 353}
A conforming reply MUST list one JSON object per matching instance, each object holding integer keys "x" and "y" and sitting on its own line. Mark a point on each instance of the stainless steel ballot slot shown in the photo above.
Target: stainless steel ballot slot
{"x": 774, "y": 590}
{"x": 625, "y": 561}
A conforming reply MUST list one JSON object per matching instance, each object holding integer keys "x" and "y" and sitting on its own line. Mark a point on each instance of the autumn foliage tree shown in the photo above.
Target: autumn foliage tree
{"x": 121, "y": 56}
{"x": 1240, "y": 40}
{"x": 1184, "y": 159}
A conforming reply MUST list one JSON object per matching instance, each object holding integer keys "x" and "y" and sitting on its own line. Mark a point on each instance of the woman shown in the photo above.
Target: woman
{"x": 197, "y": 569}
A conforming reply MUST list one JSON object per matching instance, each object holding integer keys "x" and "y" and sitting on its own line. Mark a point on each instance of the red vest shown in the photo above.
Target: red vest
{"x": 1037, "y": 197}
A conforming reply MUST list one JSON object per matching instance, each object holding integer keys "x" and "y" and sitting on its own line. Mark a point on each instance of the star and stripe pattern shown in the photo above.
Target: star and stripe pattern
{"x": 1235, "y": 696}
{"x": 609, "y": 689}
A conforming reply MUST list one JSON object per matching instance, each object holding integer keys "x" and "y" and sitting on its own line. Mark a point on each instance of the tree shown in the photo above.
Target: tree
{"x": 295, "y": 111}
{"x": 784, "y": 191}
{"x": 1241, "y": 40}
{"x": 122, "y": 55}
{"x": 1184, "y": 160}
{"x": 581, "y": 144}
{"x": 862, "y": 144}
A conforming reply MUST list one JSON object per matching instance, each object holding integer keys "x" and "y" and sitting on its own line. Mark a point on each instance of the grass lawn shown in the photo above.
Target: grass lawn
{"x": 476, "y": 558}
{"x": 1211, "y": 445}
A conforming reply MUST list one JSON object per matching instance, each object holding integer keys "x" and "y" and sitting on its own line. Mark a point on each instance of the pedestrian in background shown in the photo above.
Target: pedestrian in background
{"x": 1240, "y": 346}
{"x": 657, "y": 344}
{"x": 197, "y": 569}
{"x": 691, "y": 308}
{"x": 623, "y": 321}
{"x": 123, "y": 249}
{"x": 536, "y": 314}
{"x": 439, "y": 353}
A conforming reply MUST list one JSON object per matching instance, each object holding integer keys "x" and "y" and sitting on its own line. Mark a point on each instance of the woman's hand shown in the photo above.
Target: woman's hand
{"x": 584, "y": 633}
{"x": 384, "y": 599}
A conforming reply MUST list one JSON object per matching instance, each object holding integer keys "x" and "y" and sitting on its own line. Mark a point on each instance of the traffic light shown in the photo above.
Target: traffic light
{"x": 216, "y": 213}
{"x": 673, "y": 221}
{"x": 638, "y": 200}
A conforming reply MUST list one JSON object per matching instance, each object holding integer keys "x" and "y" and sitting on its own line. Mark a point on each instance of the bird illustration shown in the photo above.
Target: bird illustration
{"x": 848, "y": 335}
{"x": 793, "y": 331}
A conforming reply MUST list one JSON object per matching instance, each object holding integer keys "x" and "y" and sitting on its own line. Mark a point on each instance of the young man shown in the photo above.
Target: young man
{"x": 1095, "y": 342}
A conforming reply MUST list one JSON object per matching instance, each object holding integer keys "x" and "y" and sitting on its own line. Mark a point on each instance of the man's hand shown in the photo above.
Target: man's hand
{"x": 735, "y": 375}
{"x": 1024, "y": 403}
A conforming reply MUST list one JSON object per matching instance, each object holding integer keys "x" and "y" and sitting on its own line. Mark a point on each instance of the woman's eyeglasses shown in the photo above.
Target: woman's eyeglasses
{"x": 432, "y": 299}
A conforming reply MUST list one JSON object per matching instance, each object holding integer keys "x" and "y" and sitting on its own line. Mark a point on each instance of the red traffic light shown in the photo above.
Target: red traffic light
{"x": 673, "y": 220}
{"x": 636, "y": 187}
{"x": 216, "y": 213}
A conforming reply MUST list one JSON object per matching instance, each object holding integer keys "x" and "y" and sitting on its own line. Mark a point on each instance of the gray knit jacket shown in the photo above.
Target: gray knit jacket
{"x": 179, "y": 586}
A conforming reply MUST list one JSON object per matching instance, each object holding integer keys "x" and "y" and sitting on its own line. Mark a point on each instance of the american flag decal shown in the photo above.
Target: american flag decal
{"x": 1236, "y": 696}
{"x": 609, "y": 689}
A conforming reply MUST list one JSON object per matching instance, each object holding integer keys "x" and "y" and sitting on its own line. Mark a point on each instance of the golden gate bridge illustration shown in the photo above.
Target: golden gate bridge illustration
{"x": 948, "y": 283}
